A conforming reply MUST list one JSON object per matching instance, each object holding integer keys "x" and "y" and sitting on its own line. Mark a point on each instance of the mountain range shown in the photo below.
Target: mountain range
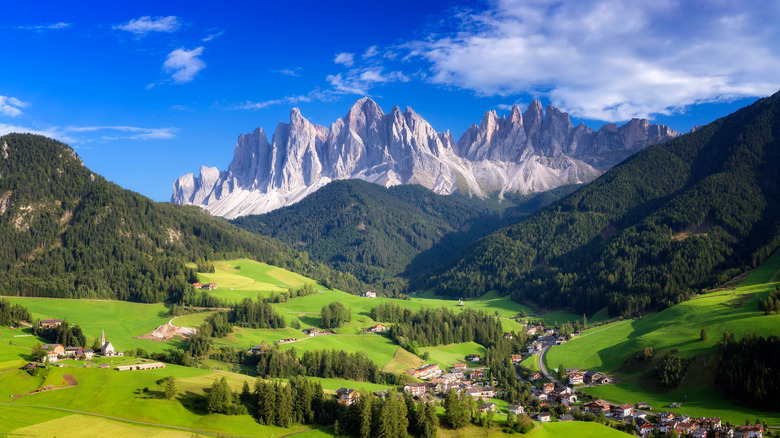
{"x": 522, "y": 152}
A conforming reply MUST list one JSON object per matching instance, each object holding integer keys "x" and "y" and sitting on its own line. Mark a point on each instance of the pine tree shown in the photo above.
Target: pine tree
{"x": 703, "y": 335}
{"x": 170, "y": 387}
{"x": 365, "y": 413}
{"x": 427, "y": 421}
{"x": 215, "y": 402}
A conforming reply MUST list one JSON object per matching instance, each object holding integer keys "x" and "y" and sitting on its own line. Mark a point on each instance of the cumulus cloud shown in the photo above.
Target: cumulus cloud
{"x": 609, "y": 59}
{"x": 183, "y": 64}
{"x": 345, "y": 58}
{"x": 144, "y": 25}
{"x": 361, "y": 80}
{"x": 42, "y": 27}
{"x": 10, "y": 106}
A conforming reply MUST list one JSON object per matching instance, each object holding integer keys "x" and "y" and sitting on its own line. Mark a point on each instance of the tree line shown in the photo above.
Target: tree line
{"x": 11, "y": 314}
{"x": 747, "y": 370}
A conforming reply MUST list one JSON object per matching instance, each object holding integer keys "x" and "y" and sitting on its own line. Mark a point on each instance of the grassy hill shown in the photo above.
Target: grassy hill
{"x": 66, "y": 232}
{"x": 609, "y": 348}
{"x": 670, "y": 221}
{"x": 379, "y": 233}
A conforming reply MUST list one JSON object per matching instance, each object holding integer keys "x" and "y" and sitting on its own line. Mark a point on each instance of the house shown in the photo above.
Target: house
{"x": 197, "y": 285}
{"x": 474, "y": 392}
{"x": 48, "y": 323}
{"x": 508, "y": 336}
{"x": 426, "y": 372}
{"x": 544, "y": 417}
{"x": 416, "y": 389}
{"x": 72, "y": 351}
{"x": 286, "y": 341}
{"x": 625, "y": 410}
{"x": 592, "y": 377}
{"x": 548, "y": 387}
{"x": 258, "y": 349}
{"x": 88, "y": 353}
{"x": 597, "y": 407}
{"x": 699, "y": 433}
{"x": 30, "y": 366}
{"x": 665, "y": 426}
{"x": 568, "y": 399}
{"x": 209, "y": 286}
{"x": 722, "y": 432}
{"x": 708, "y": 423}
{"x": 487, "y": 407}
{"x": 666, "y": 415}
{"x": 57, "y": 348}
{"x": 566, "y": 417}
{"x": 52, "y": 356}
{"x": 549, "y": 331}
{"x": 752, "y": 431}
{"x": 645, "y": 428}
{"x": 575, "y": 379}
{"x": 314, "y": 331}
{"x": 517, "y": 358}
{"x": 603, "y": 380}
{"x": 476, "y": 374}
{"x": 368, "y": 294}
{"x": 531, "y": 330}
{"x": 378, "y": 328}
{"x": 644, "y": 406}
{"x": 459, "y": 368}
{"x": 534, "y": 348}
{"x": 535, "y": 376}
{"x": 347, "y": 396}
{"x": 488, "y": 392}
{"x": 541, "y": 396}
{"x": 472, "y": 358}
{"x": 517, "y": 409}
{"x": 141, "y": 366}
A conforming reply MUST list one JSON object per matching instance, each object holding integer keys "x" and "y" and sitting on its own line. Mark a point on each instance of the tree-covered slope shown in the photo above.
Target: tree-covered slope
{"x": 664, "y": 224}
{"x": 67, "y": 232}
{"x": 378, "y": 233}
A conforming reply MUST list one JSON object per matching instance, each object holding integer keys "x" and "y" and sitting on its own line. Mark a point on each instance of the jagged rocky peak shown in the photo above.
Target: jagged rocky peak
{"x": 531, "y": 151}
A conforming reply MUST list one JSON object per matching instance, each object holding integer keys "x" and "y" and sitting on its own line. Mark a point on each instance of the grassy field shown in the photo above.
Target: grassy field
{"x": 575, "y": 429}
{"x": 448, "y": 355}
{"x": 379, "y": 349}
{"x": 402, "y": 361}
{"x": 244, "y": 278}
{"x": 531, "y": 362}
{"x": 678, "y": 328}
{"x": 121, "y": 320}
{"x": 192, "y": 319}
{"x": 78, "y": 425}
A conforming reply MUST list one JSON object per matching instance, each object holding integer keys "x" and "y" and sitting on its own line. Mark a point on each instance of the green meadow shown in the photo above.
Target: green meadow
{"x": 607, "y": 348}
{"x": 121, "y": 320}
{"x": 448, "y": 355}
{"x": 244, "y": 278}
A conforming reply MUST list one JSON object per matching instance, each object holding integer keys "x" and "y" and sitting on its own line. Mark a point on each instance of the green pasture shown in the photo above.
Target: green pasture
{"x": 380, "y": 349}
{"x": 121, "y": 320}
{"x": 79, "y": 425}
{"x": 402, "y": 362}
{"x": 192, "y": 319}
{"x": 577, "y": 429}
{"x": 531, "y": 362}
{"x": 253, "y": 278}
{"x": 448, "y": 355}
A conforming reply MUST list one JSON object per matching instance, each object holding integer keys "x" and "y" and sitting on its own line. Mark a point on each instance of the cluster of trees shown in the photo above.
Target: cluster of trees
{"x": 222, "y": 400}
{"x": 215, "y": 326}
{"x": 86, "y": 237}
{"x": 771, "y": 304}
{"x": 335, "y": 314}
{"x": 204, "y": 266}
{"x": 255, "y": 314}
{"x": 439, "y": 326}
{"x": 12, "y": 313}
{"x": 299, "y": 401}
{"x": 395, "y": 415}
{"x": 666, "y": 223}
{"x": 747, "y": 370}
{"x": 66, "y": 334}
{"x": 305, "y": 290}
{"x": 672, "y": 370}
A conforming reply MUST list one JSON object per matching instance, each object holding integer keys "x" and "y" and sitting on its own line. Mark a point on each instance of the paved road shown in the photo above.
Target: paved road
{"x": 543, "y": 369}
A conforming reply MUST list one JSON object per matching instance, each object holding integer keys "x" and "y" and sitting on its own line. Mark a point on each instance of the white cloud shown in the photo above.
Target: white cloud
{"x": 144, "y": 25}
{"x": 361, "y": 80}
{"x": 315, "y": 95}
{"x": 74, "y": 134}
{"x": 48, "y": 132}
{"x": 211, "y": 36}
{"x": 345, "y": 58}
{"x": 371, "y": 52}
{"x": 289, "y": 72}
{"x": 609, "y": 59}
{"x": 184, "y": 64}
{"x": 10, "y": 106}
{"x": 42, "y": 27}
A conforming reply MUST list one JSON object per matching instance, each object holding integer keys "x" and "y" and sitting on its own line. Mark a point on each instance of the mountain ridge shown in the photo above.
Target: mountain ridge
{"x": 523, "y": 152}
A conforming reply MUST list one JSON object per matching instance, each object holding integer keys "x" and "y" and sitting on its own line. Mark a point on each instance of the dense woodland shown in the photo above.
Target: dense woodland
{"x": 668, "y": 222}
{"x": 748, "y": 371}
{"x": 387, "y": 235}
{"x": 66, "y": 232}
{"x": 66, "y": 334}
{"x": 438, "y": 326}
{"x": 10, "y": 314}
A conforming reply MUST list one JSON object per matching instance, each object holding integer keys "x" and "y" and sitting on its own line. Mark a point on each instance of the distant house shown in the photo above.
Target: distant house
{"x": 592, "y": 377}
{"x": 472, "y": 358}
{"x": 531, "y": 330}
{"x": 535, "y": 376}
{"x": 258, "y": 349}
{"x": 476, "y": 374}
{"x": 141, "y": 366}
{"x": 699, "y": 433}
{"x": 508, "y": 336}
{"x": 347, "y": 396}
{"x": 644, "y": 406}
{"x": 378, "y": 328}
{"x": 459, "y": 368}
{"x": 474, "y": 391}
{"x": 548, "y": 387}
{"x": 752, "y": 431}
{"x": 709, "y": 423}
{"x": 517, "y": 409}
{"x": 517, "y": 358}
{"x": 30, "y": 366}
{"x": 568, "y": 399}
{"x": 488, "y": 392}
{"x": 52, "y": 356}
{"x": 625, "y": 410}
{"x": 544, "y": 417}
{"x": 417, "y": 389}
{"x": 209, "y": 286}
{"x": 286, "y": 341}
{"x": 566, "y": 417}
{"x": 487, "y": 407}
{"x": 314, "y": 331}
{"x": 48, "y": 323}
{"x": 575, "y": 379}
{"x": 597, "y": 407}
{"x": 197, "y": 285}
{"x": 72, "y": 351}
{"x": 56, "y": 348}
{"x": 368, "y": 294}
{"x": 425, "y": 372}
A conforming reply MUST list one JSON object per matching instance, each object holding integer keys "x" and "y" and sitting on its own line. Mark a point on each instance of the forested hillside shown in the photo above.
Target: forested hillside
{"x": 379, "y": 233}
{"x": 665, "y": 224}
{"x": 67, "y": 232}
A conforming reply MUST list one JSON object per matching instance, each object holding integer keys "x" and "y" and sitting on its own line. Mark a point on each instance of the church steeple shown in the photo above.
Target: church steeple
{"x": 103, "y": 338}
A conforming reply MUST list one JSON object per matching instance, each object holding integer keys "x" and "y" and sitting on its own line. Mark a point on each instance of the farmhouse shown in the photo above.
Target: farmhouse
{"x": 508, "y": 336}
{"x": 52, "y": 356}
{"x": 575, "y": 379}
{"x": 516, "y": 409}
{"x": 699, "y": 433}
{"x": 474, "y": 392}
{"x": 487, "y": 407}
{"x": 72, "y": 351}
{"x": 488, "y": 392}
{"x": 314, "y": 331}
{"x": 197, "y": 285}
{"x": 141, "y": 366}
{"x": 347, "y": 396}
{"x": 48, "y": 323}
{"x": 535, "y": 376}
{"x": 472, "y": 358}
{"x": 286, "y": 341}
{"x": 753, "y": 431}
{"x": 548, "y": 387}
{"x": 209, "y": 286}
{"x": 258, "y": 349}
{"x": 625, "y": 410}
{"x": 428, "y": 371}
{"x": 368, "y": 294}
{"x": 517, "y": 358}
{"x": 378, "y": 328}
{"x": 544, "y": 417}
{"x": 56, "y": 348}
{"x": 476, "y": 374}
{"x": 596, "y": 407}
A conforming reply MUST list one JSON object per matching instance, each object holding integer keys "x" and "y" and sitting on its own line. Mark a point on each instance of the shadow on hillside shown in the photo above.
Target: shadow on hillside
{"x": 195, "y": 403}
{"x": 313, "y": 321}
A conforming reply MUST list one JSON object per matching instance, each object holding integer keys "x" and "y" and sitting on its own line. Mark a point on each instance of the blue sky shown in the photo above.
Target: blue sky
{"x": 148, "y": 91}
